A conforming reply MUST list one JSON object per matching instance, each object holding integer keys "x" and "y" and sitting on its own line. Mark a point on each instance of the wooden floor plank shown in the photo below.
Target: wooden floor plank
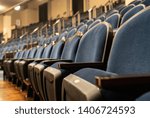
{"x": 9, "y": 92}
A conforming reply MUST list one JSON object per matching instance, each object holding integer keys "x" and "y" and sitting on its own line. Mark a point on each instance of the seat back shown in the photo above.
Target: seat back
{"x": 93, "y": 43}
{"x": 58, "y": 47}
{"x": 123, "y": 11}
{"x": 130, "y": 50}
{"x": 26, "y": 54}
{"x": 146, "y": 2}
{"x": 132, "y": 12}
{"x": 89, "y": 22}
{"x": 80, "y": 25}
{"x": 47, "y": 51}
{"x": 21, "y": 55}
{"x": 16, "y": 55}
{"x": 111, "y": 12}
{"x": 71, "y": 44}
{"x": 32, "y": 53}
{"x": 114, "y": 20}
{"x": 39, "y": 52}
{"x": 94, "y": 23}
{"x": 101, "y": 17}
{"x": 136, "y": 2}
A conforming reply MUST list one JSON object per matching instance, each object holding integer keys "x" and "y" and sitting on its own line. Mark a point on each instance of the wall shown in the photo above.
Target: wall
{"x": 58, "y": 7}
{"x": 97, "y": 3}
{"x": 91, "y": 3}
{"x": 28, "y": 16}
{"x": 128, "y": 1}
{"x": 7, "y": 27}
{"x": 1, "y": 23}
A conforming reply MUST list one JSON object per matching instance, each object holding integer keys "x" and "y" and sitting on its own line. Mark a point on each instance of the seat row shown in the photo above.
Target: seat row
{"x": 64, "y": 69}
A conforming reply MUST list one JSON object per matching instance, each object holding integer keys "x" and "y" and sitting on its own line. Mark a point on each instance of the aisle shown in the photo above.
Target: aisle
{"x": 8, "y": 92}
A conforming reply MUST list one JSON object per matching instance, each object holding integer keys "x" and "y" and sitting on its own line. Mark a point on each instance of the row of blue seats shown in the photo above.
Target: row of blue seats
{"x": 51, "y": 79}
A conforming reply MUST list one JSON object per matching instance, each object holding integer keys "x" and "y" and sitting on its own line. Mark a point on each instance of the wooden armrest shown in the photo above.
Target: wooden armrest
{"x": 124, "y": 82}
{"x": 77, "y": 66}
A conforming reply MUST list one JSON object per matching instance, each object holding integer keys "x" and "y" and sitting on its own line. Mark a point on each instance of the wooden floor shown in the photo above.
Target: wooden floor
{"x": 9, "y": 92}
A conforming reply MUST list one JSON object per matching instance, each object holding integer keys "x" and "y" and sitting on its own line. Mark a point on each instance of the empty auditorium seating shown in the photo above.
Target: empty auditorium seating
{"x": 93, "y": 47}
{"x": 125, "y": 77}
{"x": 127, "y": 8}
{"x": 146, "y": 2}
{"x": 79, "y": 62}
{"x": 55, "y": 56}
{"x": 132, "y": 12}
{"x": 114, "y": 20}
{"x": 136, "y": 2}
{"x": 94, "y": 23}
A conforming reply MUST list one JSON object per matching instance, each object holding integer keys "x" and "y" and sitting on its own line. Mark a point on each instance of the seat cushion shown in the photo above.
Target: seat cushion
{"x": 90, "y": 73}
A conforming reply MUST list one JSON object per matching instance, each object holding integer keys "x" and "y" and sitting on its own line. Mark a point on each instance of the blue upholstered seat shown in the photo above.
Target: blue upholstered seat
{"x": 136, "y": 2}
{"x": 114, "y": 20}
{"x": 55, "y": 54}
{"x": 90, "y": 49}
{"x": 132, "y": 12}
{"x": 146, "y": 2}
{"x": 129, "y": 55}
{"x": 94, "y": 23}
{"x": 123, "y": 11}
{"x": 111, "y": 12}
{"x": 89, "y": 22}
{"x": 68, "y": 53}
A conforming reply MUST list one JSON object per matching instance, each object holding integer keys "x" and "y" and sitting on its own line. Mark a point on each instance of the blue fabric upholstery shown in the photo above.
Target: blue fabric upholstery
{"x": 71, "y": 45}
{"x": 90, "y": 49}
{"x": 27, "y": 52}
{"x": 91, "y": 46}
{"x": 129, "y": 55}
{"x": 94, "y": 23}
{"x": 16, "y": 55}
{"x": 89, "y": 22}
{"x": 132, "y": 12}
{"x": 111, "y": 12}
{"x": 136, "y": 2}
{"x": 92, "y": 73}
{"x": 62, "y": 35}
{"x": 47, "y": 51}
{"x": 144, "y": 97}
{"x": 58, "y": 47}
{"x": 39, "y": 52}
{"x": 80, "y": 25}
{"x": 21, "y": 55}
{"x": 32, "y": 53}
{"x": 101, "y": 17}
{"x": 114, "y": 20}
{"x": 71, "y": 32}
{"x": 146, "y": 2}
{"x": 123, "y": 61}
{"x": 123, "y": 11}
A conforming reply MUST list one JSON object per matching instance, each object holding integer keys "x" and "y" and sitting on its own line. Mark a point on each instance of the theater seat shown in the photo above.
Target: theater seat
{"x": 94, "y": 23}
{"x": 123, "y": 11}
{"x": 55, "y": 56}
{"x": 93, "y": 47}
{"x": 114, "y": 20}
{"x": 136, "y": 2}
{"x": 129, "y": 60}
{"x": 31, "y": 55}
{"x": 146, "y": 2}
{"x": 132, "y": 12}
{"x": 7, "y": 64}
